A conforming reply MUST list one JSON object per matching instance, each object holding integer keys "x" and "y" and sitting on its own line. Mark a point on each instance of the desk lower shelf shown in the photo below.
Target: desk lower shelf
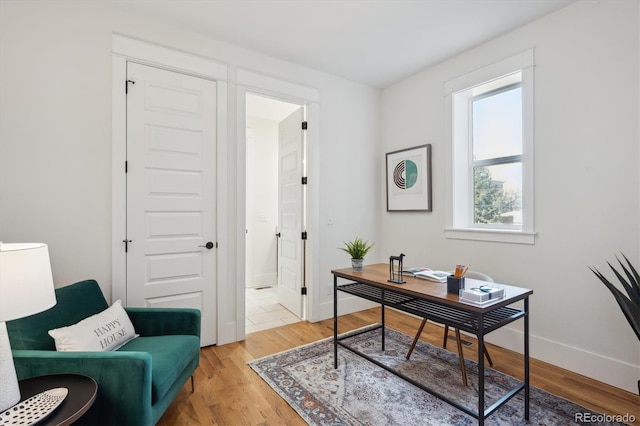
{"x": 372, "y": 284}
{"x": 437, "y": 312}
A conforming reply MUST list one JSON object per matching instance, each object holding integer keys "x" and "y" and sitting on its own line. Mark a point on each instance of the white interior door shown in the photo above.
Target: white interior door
{"x": 291, "y": 212}
{"x": 171, "y": 192}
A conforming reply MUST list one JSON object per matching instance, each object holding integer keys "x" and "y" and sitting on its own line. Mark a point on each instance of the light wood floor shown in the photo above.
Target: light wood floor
{"x": 228, "y": 392}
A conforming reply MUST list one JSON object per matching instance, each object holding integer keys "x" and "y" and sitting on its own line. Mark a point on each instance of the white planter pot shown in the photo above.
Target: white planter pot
{"x": 356, "y": 264}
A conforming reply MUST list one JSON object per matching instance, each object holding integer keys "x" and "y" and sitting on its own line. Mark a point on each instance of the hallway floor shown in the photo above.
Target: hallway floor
{"x": 263, "y": 310}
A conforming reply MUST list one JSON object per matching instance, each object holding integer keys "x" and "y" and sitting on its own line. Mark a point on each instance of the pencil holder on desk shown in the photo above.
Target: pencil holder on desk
{"x": 454, "y": 284}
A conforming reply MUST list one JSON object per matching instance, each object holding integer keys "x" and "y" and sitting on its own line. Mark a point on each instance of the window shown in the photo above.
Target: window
{"x": 490, "y": 132}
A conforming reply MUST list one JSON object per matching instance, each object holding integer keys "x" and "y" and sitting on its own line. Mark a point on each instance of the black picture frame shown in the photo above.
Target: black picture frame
{"x": 408, "y": 173}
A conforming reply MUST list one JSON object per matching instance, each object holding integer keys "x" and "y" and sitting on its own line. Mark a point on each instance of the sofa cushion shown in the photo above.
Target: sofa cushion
{"x": 75, "y": 302}
{"x": 170, "y": 355}
{"x": 105, "y": 331}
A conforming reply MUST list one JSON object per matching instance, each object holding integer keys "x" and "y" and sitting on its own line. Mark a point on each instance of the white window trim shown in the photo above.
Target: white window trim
{"x": 457, "y": 226}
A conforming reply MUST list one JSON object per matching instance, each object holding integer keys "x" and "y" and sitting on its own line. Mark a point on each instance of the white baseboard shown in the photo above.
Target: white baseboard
{"x": 598, "y": 367}
{"x": 228, "y": 333}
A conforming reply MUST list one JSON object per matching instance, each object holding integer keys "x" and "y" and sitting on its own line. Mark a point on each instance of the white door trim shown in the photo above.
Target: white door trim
{"x": 128, "y": 49}
{"x": 260, "y": 83}
{"x": 255, "y": 82}
{"x": 165, "y": 57}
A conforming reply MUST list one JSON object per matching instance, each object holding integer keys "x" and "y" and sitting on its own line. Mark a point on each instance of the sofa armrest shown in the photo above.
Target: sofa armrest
{"x": 123, "y": 378}
{"x": 165, "y": 321}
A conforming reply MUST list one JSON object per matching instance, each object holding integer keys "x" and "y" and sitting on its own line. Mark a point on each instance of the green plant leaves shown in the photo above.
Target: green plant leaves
{"x": 358, "y": 248}
{"x": 630, "y": 305}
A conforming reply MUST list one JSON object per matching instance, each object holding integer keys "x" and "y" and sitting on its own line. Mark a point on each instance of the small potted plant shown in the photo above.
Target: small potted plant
{"x": 357, "y": 249}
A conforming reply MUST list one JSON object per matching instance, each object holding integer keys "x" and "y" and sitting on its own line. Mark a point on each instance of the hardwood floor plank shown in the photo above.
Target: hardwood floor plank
{"x": 229, "y": 392}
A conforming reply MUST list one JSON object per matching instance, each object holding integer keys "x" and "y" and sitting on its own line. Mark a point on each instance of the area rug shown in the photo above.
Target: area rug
{"x": 361, "y": 393}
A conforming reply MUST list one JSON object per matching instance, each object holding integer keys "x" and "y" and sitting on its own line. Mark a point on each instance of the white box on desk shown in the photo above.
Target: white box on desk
{"x": 482, "y": 294}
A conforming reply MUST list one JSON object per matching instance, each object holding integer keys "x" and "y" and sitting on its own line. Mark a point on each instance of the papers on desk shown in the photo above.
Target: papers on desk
{"x": 414, "y": 271}
{"x": 482, "y": 294}
{"x": 437, "y": 276}
{"x": 427, "y": 274}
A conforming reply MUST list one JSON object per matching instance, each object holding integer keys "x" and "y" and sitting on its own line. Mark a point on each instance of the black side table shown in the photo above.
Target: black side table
{"x": 82, "y": 394}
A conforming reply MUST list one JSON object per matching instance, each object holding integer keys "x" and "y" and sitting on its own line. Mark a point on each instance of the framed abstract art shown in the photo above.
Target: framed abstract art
{"x": 409, "y": 179}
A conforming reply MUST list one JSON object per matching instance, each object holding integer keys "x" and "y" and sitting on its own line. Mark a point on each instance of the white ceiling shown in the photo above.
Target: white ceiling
{"x": 375, "y": 42}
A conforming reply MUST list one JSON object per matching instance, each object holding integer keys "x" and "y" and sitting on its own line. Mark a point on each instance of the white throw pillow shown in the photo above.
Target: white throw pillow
{"x": 106, "y": 331}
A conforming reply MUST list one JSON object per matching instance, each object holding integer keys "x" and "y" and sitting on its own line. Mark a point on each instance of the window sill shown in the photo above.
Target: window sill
{"x": 498, "y": 236}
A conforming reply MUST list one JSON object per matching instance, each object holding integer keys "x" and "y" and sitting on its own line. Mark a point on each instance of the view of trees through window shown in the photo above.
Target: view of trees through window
{"x": 496, "y": 121}
{"x": 492, "y": 202}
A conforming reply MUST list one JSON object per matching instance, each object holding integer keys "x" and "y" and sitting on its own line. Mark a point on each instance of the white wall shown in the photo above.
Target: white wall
{"x": 55, "y": 139}
{"x": 586, "y": 183}
{"x": 351, "y": 171}
{"x": 262, "y": 201}
{"x": 55, "y": 151}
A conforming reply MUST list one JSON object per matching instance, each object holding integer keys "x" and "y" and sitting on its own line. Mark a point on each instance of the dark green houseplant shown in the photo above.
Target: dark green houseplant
{"x": 357, "y": 249}
{"x": 629, "y": 303}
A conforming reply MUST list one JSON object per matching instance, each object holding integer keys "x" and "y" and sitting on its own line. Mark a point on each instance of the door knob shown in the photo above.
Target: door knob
{"x": 209, "y": 245}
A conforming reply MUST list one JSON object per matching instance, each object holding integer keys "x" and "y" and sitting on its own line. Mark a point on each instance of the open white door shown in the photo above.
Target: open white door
{"x": 171, "y": 192}
{"x": 291, "y": 212}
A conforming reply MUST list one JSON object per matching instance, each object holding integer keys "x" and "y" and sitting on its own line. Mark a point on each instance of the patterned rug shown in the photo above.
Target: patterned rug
{"x": 361, "y": 393}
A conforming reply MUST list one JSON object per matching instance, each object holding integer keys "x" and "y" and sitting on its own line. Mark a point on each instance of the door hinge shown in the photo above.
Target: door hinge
{"x": 304, "y": 235}
{"x": 126, "y": 245}
{"x": 304, "y": 125}
{"x": 126, "y": 86}
{"x": 126, "y": 167}
{"x": 304, "y": 180}
{"x": 303, "y": 290}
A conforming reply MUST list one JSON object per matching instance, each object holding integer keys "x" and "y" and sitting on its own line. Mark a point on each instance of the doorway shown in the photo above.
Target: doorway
{"x": 171, "y": 193}
{"x": 266, "y": 306}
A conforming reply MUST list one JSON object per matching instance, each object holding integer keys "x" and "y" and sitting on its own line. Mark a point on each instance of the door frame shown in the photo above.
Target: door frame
{"x": 125, "y": 49}
{"x": 249, "y": 81}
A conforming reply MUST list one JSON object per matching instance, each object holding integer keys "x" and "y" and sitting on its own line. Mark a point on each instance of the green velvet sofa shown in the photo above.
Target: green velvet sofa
{"x": 137, "y": 382}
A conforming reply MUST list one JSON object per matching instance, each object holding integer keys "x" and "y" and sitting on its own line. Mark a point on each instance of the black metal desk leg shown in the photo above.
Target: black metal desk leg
{"x": 335, "y": 321}
{"x": 383, "y": 330}
{"x": 526, "y": 358}
{"x": 480, "y": 370}
{"x": 382, "y": 318}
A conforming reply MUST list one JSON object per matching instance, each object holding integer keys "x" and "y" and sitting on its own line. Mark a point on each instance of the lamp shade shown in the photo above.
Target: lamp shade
{"x": 26, "y": 283}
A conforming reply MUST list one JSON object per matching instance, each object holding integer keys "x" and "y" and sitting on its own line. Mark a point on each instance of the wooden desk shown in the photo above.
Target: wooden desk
{"x": 430, "y": 300}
